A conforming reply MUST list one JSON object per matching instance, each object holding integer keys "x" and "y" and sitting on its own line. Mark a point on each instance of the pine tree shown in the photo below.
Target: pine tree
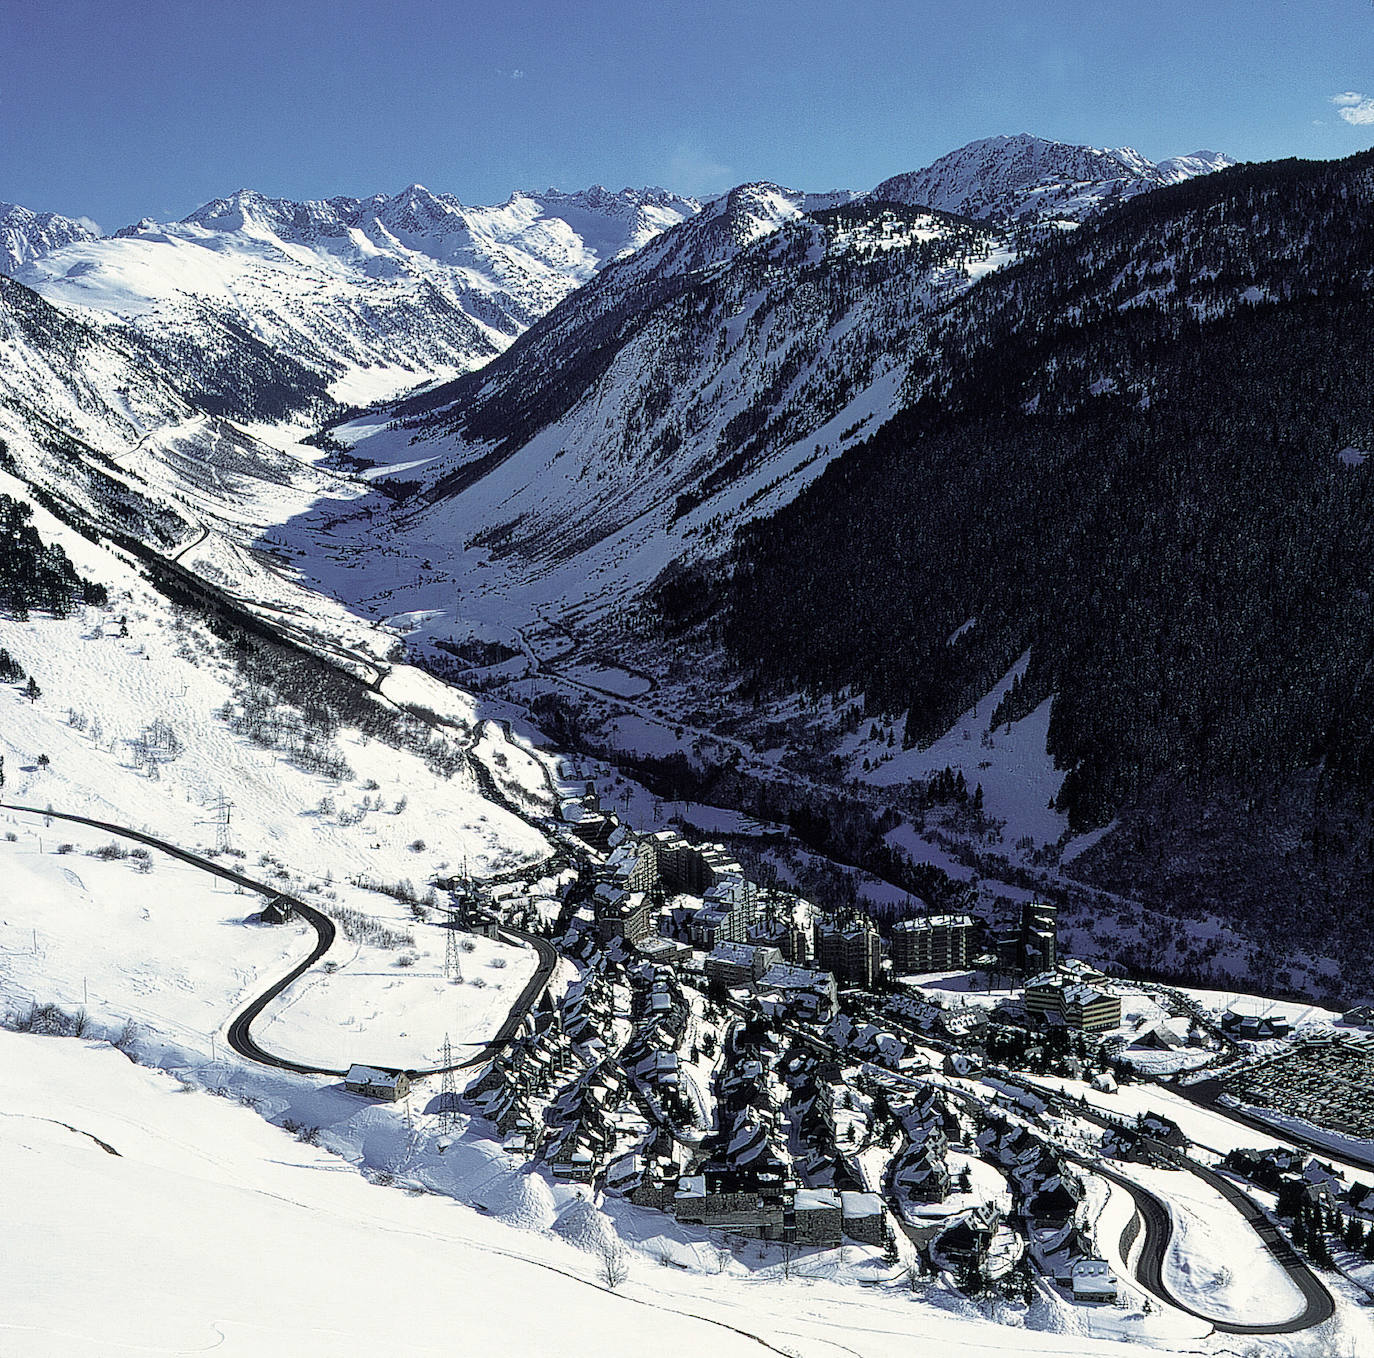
{"x": 1353, "y": 1233}
{"x": 1300, "y": 1231}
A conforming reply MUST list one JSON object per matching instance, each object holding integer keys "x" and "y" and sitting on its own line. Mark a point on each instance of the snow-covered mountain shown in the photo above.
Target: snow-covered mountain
{"x": 1008, "y": 178}
{"x": 680, "y": 364}
{"x": 25, "y": 235}
{"x": 96, "y": 425}
{"x": 372, "y": 295}
{"x": 711, "y": 375}
{"x": 703, "y": 381}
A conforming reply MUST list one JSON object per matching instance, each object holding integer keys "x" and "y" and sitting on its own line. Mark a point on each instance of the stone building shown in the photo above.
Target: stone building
{"x": 850, "y": 948}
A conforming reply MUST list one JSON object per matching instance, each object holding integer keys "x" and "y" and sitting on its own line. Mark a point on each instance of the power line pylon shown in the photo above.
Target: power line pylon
{"x": 448, "y": 1094}
{"x": 221, "y": 808}
{"x": 453, "y": 969}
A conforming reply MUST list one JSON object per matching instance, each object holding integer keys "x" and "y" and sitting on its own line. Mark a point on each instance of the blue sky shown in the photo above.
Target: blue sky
{"x": 124, "y": 108}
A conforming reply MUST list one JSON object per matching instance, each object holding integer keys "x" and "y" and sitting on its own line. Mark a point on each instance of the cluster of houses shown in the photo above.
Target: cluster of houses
{"x": 1300, "y": 1180}
{"x": 1254, "y": 1027}
{"x": 693, "y": 1066}
{"x": 773, "y": 1167}
{"x": 919, "y": 1175}
{"x": 1047, "y": 1196}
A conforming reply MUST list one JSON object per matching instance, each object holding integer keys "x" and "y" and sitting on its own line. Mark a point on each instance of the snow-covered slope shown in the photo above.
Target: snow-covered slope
{"x": 1007, "y": 178}
{"x": 25, "y": 235}
{"x": 95, "y": 420}
{"x": 158, "y": 1218}
{"x": 711, "y": 375}
{"x": 374, "y": 294}
{"x": 702, "y": 381}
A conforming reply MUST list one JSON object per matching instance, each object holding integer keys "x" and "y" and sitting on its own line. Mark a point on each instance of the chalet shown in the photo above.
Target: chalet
{"x": 921, "y": 1175}
{"x": 1255, "y": 1027}
{"x": 1054, "y": 1205}
{"x": 1162, "y": 1129}
{"x": 576, "y": 1160}
{"x": 966, "y": 1240}
{"x": 963, "y": 1023}
{"x": 962, "y": 1063}
{"x": 649, "y": 1176}
{"x": 1163, "y": 1036}
{"x": 600, "y": 832}
{"x": 278, "y": 910}
{"x": 1093, "y": 1281}
{"x": 374, "y": 1083}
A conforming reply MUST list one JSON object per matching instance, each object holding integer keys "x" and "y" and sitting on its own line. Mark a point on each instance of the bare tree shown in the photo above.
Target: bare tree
{"x": 615, "y": 1263}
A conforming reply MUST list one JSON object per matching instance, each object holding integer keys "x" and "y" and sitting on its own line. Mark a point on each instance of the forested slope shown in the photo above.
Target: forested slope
{"x": 1137, "y": 455}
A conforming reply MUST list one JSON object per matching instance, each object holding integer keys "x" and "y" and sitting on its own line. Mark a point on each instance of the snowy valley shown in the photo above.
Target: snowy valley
{"x": 409, "y": 876}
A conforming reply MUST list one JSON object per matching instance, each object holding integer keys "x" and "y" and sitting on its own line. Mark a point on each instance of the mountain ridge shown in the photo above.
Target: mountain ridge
{"x": 1012, "y": 177}
{"x": 374, "y": 295}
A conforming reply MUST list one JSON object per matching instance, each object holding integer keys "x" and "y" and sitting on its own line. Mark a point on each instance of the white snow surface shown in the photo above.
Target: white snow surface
{"x": 1019, "y": 778}
{"x": 1215, "y": 1262}
{"x": 204, "y": 1227}
{"x": 381, "y": 293}
{"x": 1027, "y": 176}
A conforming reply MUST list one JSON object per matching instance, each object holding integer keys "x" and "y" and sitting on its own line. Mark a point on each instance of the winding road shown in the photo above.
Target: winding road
{"x": 1318, "y": 1304}
{"x": 240, "y": 1028}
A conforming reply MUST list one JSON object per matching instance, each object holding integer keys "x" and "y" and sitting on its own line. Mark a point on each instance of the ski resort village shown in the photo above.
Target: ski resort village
{"x": 424, "y": 947}
{"x": 635, "y": 772}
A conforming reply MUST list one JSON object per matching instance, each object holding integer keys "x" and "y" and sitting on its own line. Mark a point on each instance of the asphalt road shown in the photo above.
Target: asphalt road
{"x": 1318, "y": 1304}
{"x": 240, "y": 1034}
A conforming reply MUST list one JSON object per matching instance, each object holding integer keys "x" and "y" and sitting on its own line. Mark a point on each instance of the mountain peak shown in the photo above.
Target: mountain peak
{"x": 1025, "y": 176}
{"x": 25, "y": 234}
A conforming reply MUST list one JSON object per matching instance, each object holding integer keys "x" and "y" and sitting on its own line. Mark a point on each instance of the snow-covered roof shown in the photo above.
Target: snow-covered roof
{"x": 924, "y": 922}
{"x": 370, "y": 1075}
{"x": 816, "y": 1199}
{"x": 784, "y": 976}
{"x": 1093, "y": 1277}
{"x": 861, "y": 1204}
{"x": 740, "y": 954}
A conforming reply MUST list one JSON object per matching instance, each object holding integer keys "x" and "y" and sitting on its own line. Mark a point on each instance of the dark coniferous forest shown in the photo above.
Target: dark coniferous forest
{"x": 1136, "y": 455}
